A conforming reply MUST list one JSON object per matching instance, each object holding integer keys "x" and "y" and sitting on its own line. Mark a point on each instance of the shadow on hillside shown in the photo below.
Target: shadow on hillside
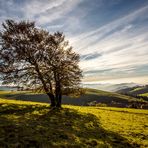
{"x": 83, "y": 100}
{"x": 37, "y": 126}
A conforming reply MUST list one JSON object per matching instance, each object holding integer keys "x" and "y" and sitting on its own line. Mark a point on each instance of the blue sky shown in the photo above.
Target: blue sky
{"x": 111, "y": 36}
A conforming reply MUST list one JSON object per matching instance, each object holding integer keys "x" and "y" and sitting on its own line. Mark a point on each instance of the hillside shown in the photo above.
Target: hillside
{"x": 137, "y": 90}
{"x": 140, "y": 92}
{"x": 90, "y": 96}
{"x": 28, "y": 124}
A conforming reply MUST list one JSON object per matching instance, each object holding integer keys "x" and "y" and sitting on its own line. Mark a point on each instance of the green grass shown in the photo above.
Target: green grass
{"x": 30, "y": 124}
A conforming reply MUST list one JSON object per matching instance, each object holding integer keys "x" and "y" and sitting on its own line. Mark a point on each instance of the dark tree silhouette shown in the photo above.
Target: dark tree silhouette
{"x": 35, "y": 59}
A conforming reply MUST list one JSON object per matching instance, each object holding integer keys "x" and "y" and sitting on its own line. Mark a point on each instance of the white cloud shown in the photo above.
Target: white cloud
{"x": 45, "y": 11}
{"x": 138, "y": 80}
{"x": 49, "y": 10}
{"x": 37, "y": 7}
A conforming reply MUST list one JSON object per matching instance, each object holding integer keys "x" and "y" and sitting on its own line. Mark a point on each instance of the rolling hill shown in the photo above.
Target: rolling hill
{"x": 90, "y": 97}
{"x": 140, "y": 92}
{"x": 30, "y": 124}
{"x": 137, "y": 90}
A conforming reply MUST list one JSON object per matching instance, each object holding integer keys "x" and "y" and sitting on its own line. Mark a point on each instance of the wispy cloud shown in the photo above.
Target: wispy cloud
{"x": 91, "y": 56}
{"x": 43, "y": 12}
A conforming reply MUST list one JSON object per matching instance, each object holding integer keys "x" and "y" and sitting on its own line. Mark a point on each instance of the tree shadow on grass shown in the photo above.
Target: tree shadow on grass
{"x": 39, "y": 127}
{"x": 21, "y": 109}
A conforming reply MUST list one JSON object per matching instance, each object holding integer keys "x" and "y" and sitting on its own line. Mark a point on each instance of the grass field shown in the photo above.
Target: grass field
{"x": 30, "y": 124}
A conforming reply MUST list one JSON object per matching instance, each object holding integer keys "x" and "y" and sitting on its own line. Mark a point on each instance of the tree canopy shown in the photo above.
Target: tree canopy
{"x": 34, "y": 58}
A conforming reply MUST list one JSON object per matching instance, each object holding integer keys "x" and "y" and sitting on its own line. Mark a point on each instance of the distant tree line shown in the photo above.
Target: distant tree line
{"x": 33, "y": 58}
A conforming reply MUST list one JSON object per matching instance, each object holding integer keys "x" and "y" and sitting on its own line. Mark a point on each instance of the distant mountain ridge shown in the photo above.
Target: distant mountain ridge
{"x": 8, "y": 88}
{"x": 104, "y": 87}
{"x": 111, "y": 87}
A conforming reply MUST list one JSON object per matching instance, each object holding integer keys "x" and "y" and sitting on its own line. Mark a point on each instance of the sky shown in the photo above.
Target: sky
{"x": 111, "y": 36}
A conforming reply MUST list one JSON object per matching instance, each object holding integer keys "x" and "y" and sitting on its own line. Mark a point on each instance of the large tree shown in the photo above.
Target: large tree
{"x": 33, "y": 58}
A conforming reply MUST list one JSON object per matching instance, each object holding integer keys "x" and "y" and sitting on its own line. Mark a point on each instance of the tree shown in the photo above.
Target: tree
{"x": 33, "y": 58}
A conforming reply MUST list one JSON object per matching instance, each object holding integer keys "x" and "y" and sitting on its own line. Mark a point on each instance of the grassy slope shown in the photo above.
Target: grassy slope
{"x": 90, "y": 96}
{"x": 34, "y": 124}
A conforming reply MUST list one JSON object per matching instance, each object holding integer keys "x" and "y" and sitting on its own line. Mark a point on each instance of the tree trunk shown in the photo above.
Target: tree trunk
{"x": 58, "y": 93}
{"x": 50, "y": 95}
{"x": 59, "y": 101}
{"x": 52, "y": 100}
{"x": 58, "y": 96}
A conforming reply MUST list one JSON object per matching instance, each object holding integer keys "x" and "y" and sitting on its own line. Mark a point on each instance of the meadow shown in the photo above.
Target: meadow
{"x": 30, "y": 124}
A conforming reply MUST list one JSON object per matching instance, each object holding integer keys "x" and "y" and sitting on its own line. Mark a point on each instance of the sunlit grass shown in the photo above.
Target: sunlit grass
{"x": 30, "y": 124}
{"x": 145, "y": 94}
{"x": 136, "y": 89}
